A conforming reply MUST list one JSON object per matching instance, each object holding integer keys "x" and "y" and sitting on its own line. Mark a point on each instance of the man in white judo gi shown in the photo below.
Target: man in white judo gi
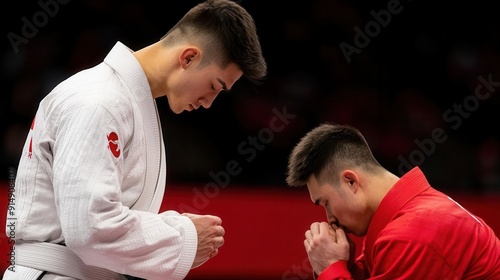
{"x": 92, "y": 173}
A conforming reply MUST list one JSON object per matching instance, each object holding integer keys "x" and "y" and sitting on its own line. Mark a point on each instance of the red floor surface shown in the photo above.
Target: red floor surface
{"x": 264, "y": 228}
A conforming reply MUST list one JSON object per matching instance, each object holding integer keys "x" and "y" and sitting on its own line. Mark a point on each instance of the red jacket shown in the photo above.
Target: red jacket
{"x": 418, "y": 232}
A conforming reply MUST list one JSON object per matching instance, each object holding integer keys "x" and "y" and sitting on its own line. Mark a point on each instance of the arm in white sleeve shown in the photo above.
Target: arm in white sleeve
{"x": 95, "y": 223}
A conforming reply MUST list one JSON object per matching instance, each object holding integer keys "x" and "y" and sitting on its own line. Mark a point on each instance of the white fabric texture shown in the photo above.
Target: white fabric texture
{"x": 85, "y": 163}
{"x": 22, "y": 272}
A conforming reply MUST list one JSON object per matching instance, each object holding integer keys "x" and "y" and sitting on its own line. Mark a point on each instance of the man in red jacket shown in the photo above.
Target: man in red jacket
{"x": 412, "y": 231}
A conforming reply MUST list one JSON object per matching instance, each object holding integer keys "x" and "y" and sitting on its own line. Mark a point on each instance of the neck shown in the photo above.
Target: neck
{"x": 381, "y": 186}
{"x": 154, "y": 62}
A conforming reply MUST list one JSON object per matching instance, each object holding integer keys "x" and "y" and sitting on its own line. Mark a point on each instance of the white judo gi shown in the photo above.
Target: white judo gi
{"x": 93, "y": 150}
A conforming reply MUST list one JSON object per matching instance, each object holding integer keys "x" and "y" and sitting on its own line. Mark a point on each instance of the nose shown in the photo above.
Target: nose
{"x": 332, "y": 221}
{"x": 207, "y": 102}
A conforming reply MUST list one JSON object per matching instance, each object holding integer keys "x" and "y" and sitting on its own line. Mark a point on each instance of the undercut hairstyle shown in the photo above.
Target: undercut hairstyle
{"x": 325, "y": 151}
{"x": 227, "y": 34}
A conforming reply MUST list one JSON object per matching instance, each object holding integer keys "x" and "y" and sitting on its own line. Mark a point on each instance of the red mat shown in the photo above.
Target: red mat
{"x": 264, "y": 228}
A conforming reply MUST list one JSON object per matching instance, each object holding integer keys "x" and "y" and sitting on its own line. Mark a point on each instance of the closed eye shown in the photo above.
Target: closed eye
{"x": 318, "y": 202}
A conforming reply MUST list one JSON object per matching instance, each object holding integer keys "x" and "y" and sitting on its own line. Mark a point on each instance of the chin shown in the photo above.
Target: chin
{"x": 360, "y": 233}
{"x": 177, "y": 111}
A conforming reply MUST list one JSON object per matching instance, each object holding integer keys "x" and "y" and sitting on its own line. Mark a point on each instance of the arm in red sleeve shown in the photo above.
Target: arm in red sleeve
{"x": 405, "y": 259}
{"x": 339, "y": 271}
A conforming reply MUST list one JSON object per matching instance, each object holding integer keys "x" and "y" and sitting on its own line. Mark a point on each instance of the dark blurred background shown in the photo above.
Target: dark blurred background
{"x": 408, "y": 77}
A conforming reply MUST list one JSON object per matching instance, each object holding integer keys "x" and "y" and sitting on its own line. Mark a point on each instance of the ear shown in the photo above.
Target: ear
{"x": 351, "y": 179}
{"x": 187, "y": 56}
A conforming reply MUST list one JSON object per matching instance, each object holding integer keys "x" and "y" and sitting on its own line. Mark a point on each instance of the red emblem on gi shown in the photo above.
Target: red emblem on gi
{"x": 30, "y": 148}
{"x": 113, "y": 144}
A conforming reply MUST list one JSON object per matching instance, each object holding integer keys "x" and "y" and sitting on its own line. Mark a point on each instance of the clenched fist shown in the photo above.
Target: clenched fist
{"x": 210, "y": 236}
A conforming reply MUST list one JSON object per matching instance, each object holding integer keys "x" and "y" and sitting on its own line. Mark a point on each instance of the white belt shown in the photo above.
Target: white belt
{"x": 60, "y": 260}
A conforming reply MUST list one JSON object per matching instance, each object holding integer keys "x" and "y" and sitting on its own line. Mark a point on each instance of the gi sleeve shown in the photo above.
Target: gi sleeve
{"x": 88, "y": 174}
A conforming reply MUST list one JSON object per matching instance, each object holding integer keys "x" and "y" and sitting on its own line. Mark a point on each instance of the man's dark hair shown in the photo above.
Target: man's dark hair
{"x": 325, "y": 151}
{"x": 227, "y": 33}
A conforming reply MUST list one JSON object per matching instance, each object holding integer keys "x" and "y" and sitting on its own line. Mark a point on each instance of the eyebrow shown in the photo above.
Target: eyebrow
{"x": 224, "y": 87}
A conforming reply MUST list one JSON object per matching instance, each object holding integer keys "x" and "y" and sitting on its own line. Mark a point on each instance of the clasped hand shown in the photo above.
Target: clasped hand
{"x": 326, "y": 244}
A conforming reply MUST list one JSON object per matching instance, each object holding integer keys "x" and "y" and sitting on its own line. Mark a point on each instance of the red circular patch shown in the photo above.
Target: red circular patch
{"x": 113, "y": 144}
